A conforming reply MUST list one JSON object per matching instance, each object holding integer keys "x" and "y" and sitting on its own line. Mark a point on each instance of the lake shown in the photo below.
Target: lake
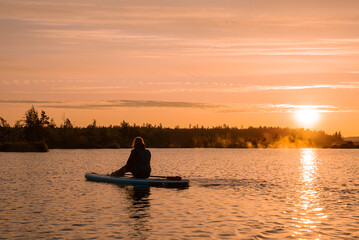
{"x": 234, "y": 194}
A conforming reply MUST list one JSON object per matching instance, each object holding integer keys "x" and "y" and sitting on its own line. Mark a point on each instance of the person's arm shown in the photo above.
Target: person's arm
{"x": 120, "y": 173}
{"x": 131, "y": 162}
{"x": 127, "y": 168}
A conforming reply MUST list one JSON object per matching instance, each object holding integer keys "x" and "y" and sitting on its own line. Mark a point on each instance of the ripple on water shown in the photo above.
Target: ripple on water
{"x": 234, "y": 194}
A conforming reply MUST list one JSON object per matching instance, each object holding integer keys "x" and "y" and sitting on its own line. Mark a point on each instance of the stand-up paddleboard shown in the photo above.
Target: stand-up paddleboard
{"x": 170, "y": 182}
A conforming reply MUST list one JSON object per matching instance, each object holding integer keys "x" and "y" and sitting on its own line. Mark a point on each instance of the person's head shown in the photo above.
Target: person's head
{"x": 138, "y": 143}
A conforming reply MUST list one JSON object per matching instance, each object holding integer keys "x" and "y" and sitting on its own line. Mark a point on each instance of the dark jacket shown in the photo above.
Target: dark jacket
{"x": 139, "y": 163}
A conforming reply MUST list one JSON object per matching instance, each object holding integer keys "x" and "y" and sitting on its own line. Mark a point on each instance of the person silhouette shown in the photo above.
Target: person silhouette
{"x": 139, "y": 161}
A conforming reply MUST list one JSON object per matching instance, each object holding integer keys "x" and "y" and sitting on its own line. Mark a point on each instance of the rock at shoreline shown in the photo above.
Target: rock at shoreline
{"x": 24, "y": 147}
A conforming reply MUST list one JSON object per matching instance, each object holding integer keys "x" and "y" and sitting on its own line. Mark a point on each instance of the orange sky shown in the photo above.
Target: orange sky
{"x": 242, "y": 63}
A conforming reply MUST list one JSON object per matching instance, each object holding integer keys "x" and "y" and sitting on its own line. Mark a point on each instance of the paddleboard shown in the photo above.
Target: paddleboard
{"x": 152, "y": 181}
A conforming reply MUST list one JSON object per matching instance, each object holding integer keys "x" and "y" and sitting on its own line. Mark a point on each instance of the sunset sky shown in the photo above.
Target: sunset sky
{"x": 240, "y": 63}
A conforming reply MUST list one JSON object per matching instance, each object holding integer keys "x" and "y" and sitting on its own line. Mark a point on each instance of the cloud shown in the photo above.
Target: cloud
{"x": 292, "y": 108}
{"x": 219, "y": 108}
{"x": 209, "y": 28}
{"x": 160, "y": 44}
{"x": 256, "y": 88}
{"x": 131, "y": 104}
{"x": 341, "y": 40}
{"x": 282, "y": 108}
{"x": 29, "y": 101}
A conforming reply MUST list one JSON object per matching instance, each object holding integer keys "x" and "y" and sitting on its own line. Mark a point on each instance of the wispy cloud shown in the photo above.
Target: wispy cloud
{"x": 283, "y": 108}
{"x": 163, "y": 45}
{"x": 293, "y": 108}
{"x": 256, "y": 88}
{"x": 220, "y": 108}
{"x": 341, "y": 40}
{"x": 131, "y": 104}
{"x": 191, "y": 87}
{"x": 29, "y": 101}
{"x": 229, "y": 108}
{"x": 170, "y": 36}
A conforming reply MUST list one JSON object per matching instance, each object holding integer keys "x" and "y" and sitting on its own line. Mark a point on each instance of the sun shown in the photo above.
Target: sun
{"x": 307, "y": 117}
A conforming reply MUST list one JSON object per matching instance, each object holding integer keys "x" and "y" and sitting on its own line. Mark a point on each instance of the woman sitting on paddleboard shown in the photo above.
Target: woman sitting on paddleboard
{"x": 139, "y": 161}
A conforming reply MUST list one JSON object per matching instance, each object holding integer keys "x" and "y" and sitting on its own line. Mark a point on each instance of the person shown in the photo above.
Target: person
{"x": 139, "y": 161}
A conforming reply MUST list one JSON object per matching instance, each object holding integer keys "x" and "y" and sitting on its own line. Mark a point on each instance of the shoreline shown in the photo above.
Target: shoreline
{"x": 42, "y": 147}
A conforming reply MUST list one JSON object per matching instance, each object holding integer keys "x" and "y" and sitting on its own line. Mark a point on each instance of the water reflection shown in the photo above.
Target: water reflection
{"x": 139, "y": 211}
{"x": 308, "y": 206}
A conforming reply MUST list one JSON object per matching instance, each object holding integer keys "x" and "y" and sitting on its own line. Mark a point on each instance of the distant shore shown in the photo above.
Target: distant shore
{"x": 42, "y": 147}
{"x": 37, "y": 133}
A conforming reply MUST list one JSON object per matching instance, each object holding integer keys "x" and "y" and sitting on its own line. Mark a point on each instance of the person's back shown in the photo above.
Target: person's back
{"x": 139, "y": 163}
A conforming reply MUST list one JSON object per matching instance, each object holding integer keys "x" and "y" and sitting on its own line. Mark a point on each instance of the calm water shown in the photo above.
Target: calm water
{"x": 234, "y": 194}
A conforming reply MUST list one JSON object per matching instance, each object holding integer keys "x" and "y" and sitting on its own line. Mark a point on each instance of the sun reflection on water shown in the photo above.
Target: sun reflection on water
{"x": 308, "y": 206}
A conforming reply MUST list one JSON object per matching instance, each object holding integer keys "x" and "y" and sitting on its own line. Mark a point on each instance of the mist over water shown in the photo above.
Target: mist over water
{"x": 234, "y": 194}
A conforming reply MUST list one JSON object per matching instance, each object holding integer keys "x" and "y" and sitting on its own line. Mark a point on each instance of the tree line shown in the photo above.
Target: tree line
{"x": 37, "y": 127}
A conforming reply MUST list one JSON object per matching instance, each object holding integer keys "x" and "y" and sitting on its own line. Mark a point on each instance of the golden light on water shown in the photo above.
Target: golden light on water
{"x": 308, "y": 206}
{"x": 307, "y": 117}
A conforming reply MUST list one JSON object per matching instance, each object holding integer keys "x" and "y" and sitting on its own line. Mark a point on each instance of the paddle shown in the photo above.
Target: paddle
{"x": 169, "y": 177}
{"x": 166, "y": 177}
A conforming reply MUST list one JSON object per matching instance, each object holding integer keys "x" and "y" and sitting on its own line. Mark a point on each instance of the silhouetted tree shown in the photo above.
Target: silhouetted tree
{"x": 35, "y": 128}
{"x": 32, "y": 119}
{"x": 44, "y": 120}
{"x": 3, "y": 123}
{"x": 93, "y": 125}
{"x": 33, "y": 125}
{"x": 52, "y": 123}
{"x": 67, "y": 124}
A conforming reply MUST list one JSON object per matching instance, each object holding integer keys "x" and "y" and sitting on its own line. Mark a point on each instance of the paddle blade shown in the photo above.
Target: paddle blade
{"x": 174, "y": 178}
